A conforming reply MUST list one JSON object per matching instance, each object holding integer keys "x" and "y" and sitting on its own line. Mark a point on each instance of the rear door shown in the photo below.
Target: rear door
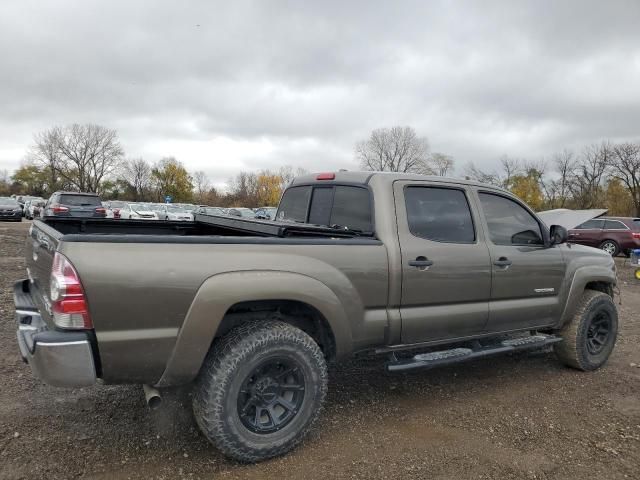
{"x": 446, "y": 276}
{"x": 589, "y": 233}
{"x": 526, "y": 274}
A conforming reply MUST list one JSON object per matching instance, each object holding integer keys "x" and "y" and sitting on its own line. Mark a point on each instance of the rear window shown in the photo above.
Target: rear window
{"x": 352, "y": 209}
{"x": 340, "y": 206}
{"x": 294, "y": 203}
{"x": 614, "y": 225}
{"x": 80, "y": 200}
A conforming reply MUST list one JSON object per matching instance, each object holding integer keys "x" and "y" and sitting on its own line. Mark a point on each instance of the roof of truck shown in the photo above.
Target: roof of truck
{"x": 365, "y": 177}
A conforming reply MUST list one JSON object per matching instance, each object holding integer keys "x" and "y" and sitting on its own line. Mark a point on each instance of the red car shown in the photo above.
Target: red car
{"x": 614, "y": 235}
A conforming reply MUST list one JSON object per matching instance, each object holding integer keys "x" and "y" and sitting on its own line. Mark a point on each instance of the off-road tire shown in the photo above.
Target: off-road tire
{"x": 573, "y": 351}
{"x": 230, "y": 361}
{"x": 613, "y": 247}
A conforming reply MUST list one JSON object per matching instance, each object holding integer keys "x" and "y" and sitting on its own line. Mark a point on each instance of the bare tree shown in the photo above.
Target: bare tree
{"x": 137, "y": 173}
{"x": 201, "y": 185}
{"x": 83, "y": 155}
{"x": 287, "y": 173}
{"x": 396, "y": 149}
{"x": 587, "y": 176}
{"x": 442, "y": 164}
{"x": 471, "y": 172}
{"x": 626, "y": 167}
{"x": 45, "y": 152}
{"x": 559, "y": 190}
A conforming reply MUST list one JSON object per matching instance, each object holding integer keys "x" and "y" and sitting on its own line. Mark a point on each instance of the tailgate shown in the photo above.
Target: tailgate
{"x": 42, "y": 243}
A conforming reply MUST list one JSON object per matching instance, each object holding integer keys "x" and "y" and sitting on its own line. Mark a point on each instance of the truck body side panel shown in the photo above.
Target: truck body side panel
{"x": 139, "y": 294}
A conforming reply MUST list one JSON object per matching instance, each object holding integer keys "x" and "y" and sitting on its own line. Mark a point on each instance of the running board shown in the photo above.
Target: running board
{"x": 457, "y": 355}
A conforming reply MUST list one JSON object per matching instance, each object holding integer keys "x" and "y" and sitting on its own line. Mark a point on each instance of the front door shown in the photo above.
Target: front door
{"x": 446, "y": 275}
{"x": 527, "y": 275}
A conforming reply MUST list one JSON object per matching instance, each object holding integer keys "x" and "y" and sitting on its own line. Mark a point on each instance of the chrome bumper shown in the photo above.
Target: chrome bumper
{"x": 61, "y": 359}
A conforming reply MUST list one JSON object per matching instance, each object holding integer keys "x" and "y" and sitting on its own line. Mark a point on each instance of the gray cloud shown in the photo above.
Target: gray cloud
{"x": 231, "y": 85}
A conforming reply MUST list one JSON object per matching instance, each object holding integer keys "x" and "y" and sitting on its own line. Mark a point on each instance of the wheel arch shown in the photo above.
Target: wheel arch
{"x": 593, "y": 277}
{"x": 227, "y": 299}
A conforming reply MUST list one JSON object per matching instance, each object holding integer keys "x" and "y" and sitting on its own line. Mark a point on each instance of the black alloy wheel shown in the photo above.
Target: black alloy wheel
{"x": 598, "y": 332}
{"x": 271, "y": 395}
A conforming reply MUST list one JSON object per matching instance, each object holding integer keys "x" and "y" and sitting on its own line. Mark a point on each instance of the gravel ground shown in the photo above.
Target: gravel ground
{"x": 521, "y": 416}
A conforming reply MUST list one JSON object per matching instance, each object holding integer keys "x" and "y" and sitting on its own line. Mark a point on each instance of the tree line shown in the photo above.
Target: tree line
{"x": 600, "y": 175}
{"x": 90, "y": 158}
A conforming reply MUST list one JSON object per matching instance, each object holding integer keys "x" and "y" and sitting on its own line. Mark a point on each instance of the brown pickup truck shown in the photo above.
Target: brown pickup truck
{"x": 425, "y": 270}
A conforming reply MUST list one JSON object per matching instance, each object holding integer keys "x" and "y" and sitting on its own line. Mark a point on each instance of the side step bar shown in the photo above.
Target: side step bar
{"x": 457, "y": 355}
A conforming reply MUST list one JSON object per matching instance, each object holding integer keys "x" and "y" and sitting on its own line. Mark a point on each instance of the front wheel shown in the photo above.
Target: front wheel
{"x": 260, "y": 390}
{"x": 610, "y": 247}
{"x": 588, "y": 339}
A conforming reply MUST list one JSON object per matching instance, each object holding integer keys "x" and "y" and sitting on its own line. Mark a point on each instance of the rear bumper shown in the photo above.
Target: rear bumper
{"x": 61, "y": 359}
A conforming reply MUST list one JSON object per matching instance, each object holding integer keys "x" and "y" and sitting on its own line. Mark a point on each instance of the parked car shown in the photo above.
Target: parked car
{"x": 266, "y": 213}
{"x": 74, "y": 204}
{"x": 248, "y": 314}
{"x": 211, "y": 210}
{"x": 32, "y": 207}
{"x": 113, "y": 208}
{"x": 614, "y": 235}
{"x": 176, "y": 213}
{"x": 139, "y": 211}
{"x": 241, "y": 212}
{"x": 10, "y": 209}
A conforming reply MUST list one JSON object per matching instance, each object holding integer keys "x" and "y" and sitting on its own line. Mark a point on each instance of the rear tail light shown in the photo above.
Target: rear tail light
{"x": 636, "y": 235}
{"x": 101, "y": 210}
{"x": 116, "y": 213}
{"x": 59, "y": 209}
{"x": 68, "y": 302}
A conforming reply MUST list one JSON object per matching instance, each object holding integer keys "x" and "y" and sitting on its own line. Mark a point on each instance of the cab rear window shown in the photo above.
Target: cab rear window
{"x": 340, "y": 206}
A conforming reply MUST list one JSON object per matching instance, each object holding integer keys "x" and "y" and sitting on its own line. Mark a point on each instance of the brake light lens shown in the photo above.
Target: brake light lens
{"x": 116, "y": 213}
{"x": 636, "y": 235}
{"x": 326, "y": 176}
{"x": 68, "y": 302}
{"x": 101, "y": 210}
{"x": 59, "y": 209}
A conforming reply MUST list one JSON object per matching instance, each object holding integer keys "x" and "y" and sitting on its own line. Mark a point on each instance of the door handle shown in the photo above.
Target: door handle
{"x": 421, "y": 262}
{"x": 502, "y": 262}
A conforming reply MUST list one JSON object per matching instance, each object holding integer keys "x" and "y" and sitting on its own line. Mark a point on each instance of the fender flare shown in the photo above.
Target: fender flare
{"x": 581, "y": 277}
{"x": 220, "y": 292}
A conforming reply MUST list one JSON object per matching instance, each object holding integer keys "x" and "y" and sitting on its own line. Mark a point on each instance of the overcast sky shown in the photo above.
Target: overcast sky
{"x": 226, "y": 86}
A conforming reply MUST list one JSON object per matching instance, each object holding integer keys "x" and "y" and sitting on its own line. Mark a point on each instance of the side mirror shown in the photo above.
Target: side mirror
{"x": 558, "y": 234}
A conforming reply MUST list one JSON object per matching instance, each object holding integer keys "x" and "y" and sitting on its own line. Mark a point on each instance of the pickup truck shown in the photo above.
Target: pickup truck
{"x": 426, "y": 271}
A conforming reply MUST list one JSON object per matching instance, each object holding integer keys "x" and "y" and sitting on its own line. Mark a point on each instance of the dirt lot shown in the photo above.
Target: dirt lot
{"x": 522, "y": 416}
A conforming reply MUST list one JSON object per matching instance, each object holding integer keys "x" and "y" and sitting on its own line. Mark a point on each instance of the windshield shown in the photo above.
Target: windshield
{"x": 8, "y": 201}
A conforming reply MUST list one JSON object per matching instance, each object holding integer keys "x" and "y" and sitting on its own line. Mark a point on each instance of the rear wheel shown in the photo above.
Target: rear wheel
{"x": 260, "y": 390}
{"x": 611, "y": 247}
{"x": 589, "y": 338}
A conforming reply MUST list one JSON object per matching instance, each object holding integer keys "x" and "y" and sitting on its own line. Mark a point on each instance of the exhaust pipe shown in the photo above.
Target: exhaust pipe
{"x": 152, "y": 396}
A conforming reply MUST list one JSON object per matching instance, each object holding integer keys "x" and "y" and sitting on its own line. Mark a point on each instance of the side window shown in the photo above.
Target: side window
{"x": 614, "y": 225}
{"x": 440, "y": 214}
{"x": 294, "y": 203}
{"x": 509, "y": 222}
{"x": 352, "y": 208}
{"x": 591, "y": 225}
